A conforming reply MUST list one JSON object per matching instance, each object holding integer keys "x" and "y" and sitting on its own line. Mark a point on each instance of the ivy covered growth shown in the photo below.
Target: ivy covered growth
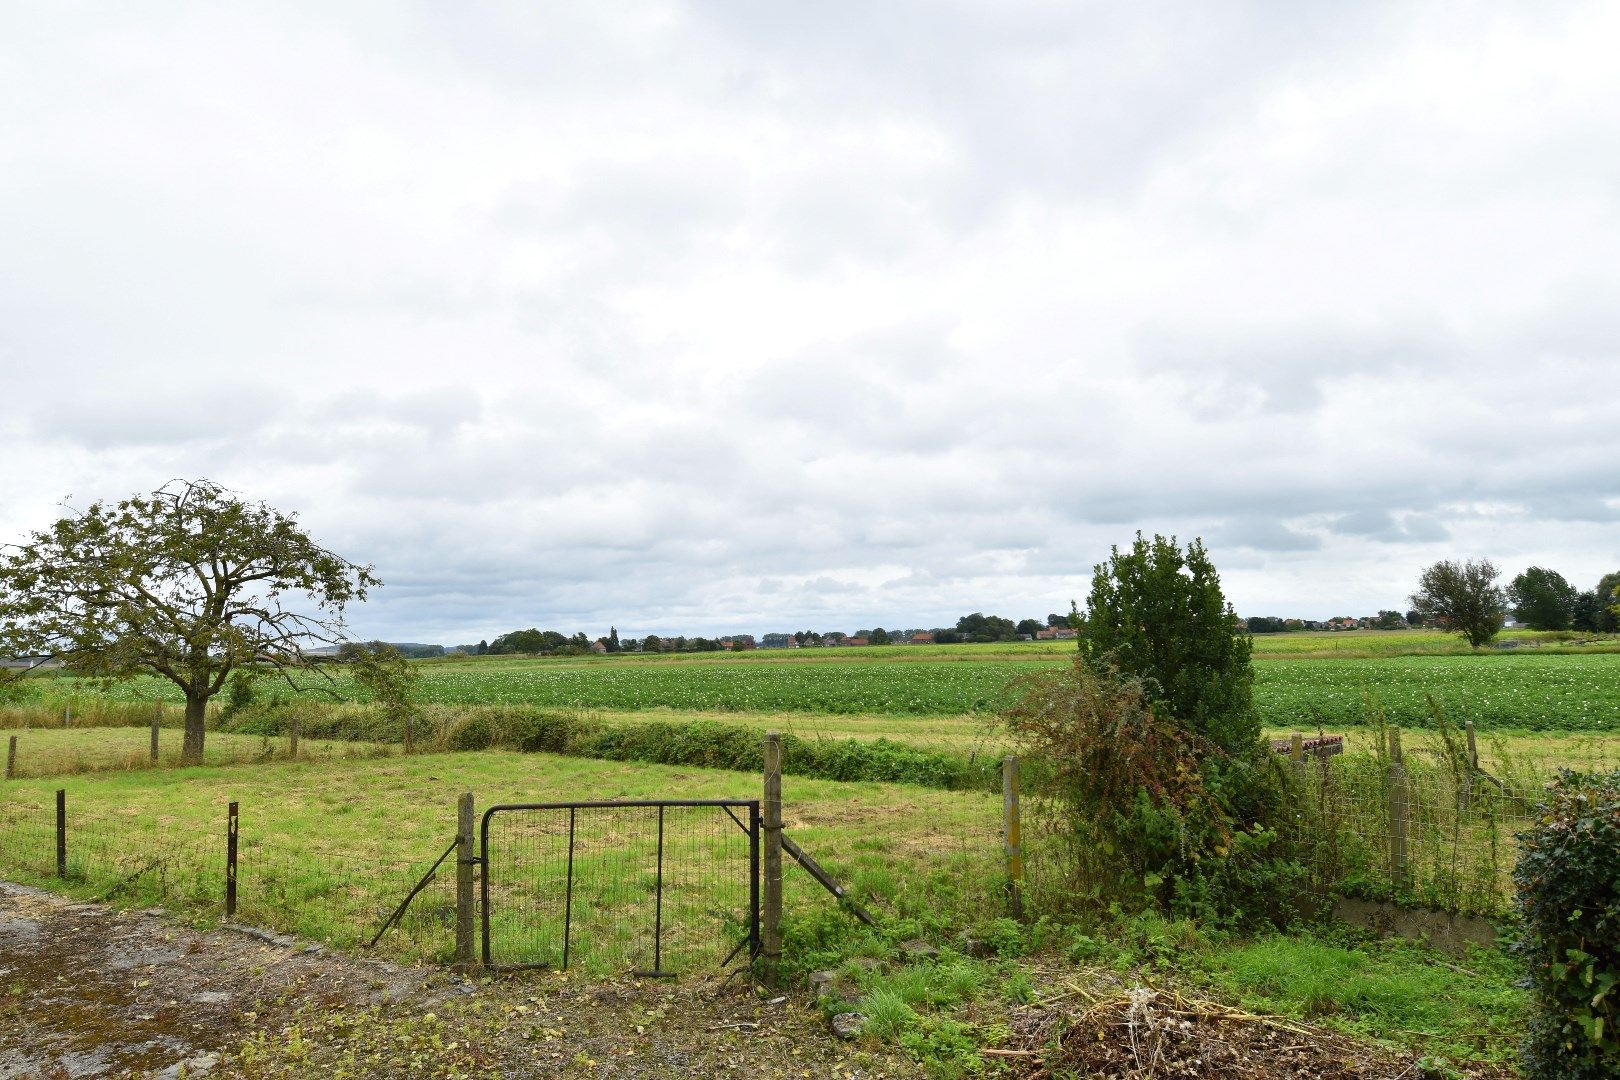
{"x": 1568, "y": 880}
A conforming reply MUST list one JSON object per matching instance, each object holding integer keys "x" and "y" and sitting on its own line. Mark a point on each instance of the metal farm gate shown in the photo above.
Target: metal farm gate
{"x": 650, "y": 886}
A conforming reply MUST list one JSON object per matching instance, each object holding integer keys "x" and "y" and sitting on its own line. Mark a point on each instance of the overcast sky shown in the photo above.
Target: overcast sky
{"x": 743, "y": 316}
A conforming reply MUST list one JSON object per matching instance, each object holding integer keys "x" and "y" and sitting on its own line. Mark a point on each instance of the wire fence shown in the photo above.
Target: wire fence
{"x": 335, "y": 897}
{"x": 1436, "y": 823}
{"x": 650, "y": 888}
{"x": 58, "y": 751}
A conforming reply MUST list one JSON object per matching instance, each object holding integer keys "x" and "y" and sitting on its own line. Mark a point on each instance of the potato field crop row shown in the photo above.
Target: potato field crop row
{"x": 1548, "y": 692}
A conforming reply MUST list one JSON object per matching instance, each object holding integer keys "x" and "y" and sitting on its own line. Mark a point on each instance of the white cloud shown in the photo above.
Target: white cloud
{"x": 687, "y": 316}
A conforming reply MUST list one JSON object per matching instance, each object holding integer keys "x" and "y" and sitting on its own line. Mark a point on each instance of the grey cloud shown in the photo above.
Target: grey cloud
{"x": 1263, "y": 535}
{"x": 1383, "y": 526}
{"x": 1282, "y": 369}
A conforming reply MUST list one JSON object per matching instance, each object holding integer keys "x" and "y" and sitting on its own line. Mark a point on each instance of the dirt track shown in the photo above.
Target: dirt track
{"x": 91, "y": 991}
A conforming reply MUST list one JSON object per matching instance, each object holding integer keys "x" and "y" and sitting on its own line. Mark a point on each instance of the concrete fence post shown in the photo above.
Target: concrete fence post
{"x": 1399, "y": 811}
{"x": 1012, "y": 834}
{"x": 466, "y": 859}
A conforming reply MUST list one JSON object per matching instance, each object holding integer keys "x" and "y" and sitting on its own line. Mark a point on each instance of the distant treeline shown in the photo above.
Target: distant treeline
{"x": 977, "y": 627}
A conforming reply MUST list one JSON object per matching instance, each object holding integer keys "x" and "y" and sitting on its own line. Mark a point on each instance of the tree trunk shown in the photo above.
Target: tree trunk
{"x": 191, "y": 751}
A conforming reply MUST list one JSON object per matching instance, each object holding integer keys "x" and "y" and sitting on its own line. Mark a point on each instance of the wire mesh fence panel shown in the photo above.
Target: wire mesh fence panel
{"x": 343, "y": 897}
{"x": 612, "y": 887}
{"x": 27, "y": 838}
{"x": 322, "y": 892}
{"x": 1439, "y": 826}
{"x": 105, "y": 855}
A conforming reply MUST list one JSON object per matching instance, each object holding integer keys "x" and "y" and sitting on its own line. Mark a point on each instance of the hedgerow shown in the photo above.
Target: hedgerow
{"x": 702, "y": 743}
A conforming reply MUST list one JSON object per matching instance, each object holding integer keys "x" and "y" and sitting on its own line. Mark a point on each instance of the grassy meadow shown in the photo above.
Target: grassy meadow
{"x": 330, "y": 844}
{"x": 43, "y": 752}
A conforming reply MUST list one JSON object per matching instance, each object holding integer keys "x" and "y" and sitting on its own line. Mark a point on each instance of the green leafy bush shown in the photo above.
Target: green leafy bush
{"x": 1568, "y": 880}
{"x": 1157, "y": 613}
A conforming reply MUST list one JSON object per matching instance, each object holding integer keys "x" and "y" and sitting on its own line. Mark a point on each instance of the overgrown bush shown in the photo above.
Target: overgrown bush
{"x": 1568, "y": 880}
{"x": 1136, "y": 809}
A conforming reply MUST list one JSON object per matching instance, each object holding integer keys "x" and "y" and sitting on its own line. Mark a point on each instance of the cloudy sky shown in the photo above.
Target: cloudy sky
{"x": 744, "y": 316}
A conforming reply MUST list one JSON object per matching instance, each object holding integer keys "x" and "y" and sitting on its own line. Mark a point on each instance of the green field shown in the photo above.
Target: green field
{"x": 1511, "y": 690}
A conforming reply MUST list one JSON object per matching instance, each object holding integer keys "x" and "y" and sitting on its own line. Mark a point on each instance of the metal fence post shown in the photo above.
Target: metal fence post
{"x": 465, "y": 859}
{"x": 1398, "y": 811}
{"x": 231, "y": 824}
{"x": 11, "y": 758}
{"x": 61, "y": 832}
{"x": 1012, "y": 834}
{"x": 771, "y": 921}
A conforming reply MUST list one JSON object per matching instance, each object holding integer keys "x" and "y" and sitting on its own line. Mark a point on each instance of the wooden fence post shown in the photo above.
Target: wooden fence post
{"x": 771, "y": 917}
{"x": 1465, "y": 793}
{"x": 67, "y": 716}
{"x": 1012, "y": 834}
{"x": 231, "y": 824}
{"x": 292, "y": 738}
{"x": 61, "y": 832}
{"x": 154, "y": 742}
{"x": 1398, "y": 811}
{"x": 465, "y": 904}
{"x": 11, "y": 759}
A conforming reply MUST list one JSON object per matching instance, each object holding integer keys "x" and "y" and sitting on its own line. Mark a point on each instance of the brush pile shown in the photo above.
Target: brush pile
{"x": 1138, "y": 1033}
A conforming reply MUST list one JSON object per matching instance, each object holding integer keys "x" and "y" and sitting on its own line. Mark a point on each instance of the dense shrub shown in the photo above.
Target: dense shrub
{"x": 1137, "y": 810}
{"x": 1568, "y": 880}
{"x": 1157, "y": 613}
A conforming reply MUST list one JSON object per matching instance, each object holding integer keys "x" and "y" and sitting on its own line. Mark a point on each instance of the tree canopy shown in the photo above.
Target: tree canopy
{"x": 1463, "y": 597}
{"x": 1157, "y": 612}
{"x": 187, "y": 583}
{"x": 1542, "y": 599}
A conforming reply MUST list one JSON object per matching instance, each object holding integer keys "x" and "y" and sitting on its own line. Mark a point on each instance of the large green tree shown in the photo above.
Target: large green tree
{"x": 1157, "y": 612}
{"x": 1463, "y": 596}
{"x": 1542, "y": 599}
{"x": 1608, "y": 600}
{"x": 188, "y": 583}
